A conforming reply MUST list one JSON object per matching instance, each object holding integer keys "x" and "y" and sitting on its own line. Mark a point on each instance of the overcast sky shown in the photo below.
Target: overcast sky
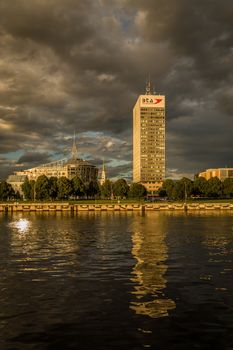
{"x": 80, "y": 65}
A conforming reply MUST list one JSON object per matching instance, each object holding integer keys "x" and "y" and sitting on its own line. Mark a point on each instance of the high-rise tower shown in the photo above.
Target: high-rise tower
{"x": 149, "y": 140}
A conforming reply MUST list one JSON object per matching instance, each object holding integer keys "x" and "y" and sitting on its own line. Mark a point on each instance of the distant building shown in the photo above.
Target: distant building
{"x": 16, "y": 182}
{"x": 221, "y": 173}
{"x": 103, "y": 177}
{"x": 149, "y": 140}
{"x": 64, "y": 167}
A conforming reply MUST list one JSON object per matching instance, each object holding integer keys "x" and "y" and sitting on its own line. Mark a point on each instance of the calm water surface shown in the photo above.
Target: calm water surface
{"x": 116, "y": 281}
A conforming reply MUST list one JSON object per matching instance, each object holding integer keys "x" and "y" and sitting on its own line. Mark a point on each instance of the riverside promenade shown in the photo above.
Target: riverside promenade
{"x": 66, "y": 207}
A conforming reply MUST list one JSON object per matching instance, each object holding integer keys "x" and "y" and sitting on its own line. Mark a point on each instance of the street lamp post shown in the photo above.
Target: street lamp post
{"x": 185, "y": 196}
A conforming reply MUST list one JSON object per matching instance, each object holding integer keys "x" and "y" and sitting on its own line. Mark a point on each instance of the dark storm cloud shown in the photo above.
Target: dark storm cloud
{"x": 33, "y": 157}
{"x": 80, "y": 65}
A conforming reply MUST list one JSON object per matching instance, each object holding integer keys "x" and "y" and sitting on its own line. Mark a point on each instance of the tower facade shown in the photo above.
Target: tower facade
{"x": 149, "y": 140}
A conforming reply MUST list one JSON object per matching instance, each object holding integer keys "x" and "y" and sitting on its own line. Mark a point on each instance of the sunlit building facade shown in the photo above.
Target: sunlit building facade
{"x": 149, "y": 140}
{"x": 221, "y": 173}
{"x": 68, "y": 167}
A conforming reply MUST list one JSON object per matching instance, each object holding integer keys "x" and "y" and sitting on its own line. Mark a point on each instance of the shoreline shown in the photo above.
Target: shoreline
{"x": 64, "y": 206}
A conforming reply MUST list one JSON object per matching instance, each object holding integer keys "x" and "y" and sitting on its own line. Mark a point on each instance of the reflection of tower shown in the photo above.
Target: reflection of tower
{"x": 74, "y": 150}
{"x": 103, "y": 175}
{"x": 150, "y": 251}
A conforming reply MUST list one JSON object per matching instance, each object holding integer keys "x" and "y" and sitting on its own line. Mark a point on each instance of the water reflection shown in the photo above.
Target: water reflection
{"x": 42, "y": 244}
{"x": 150, "y": 251}
{"x": 21, "y": 225}
{"x": 218, "y": 242}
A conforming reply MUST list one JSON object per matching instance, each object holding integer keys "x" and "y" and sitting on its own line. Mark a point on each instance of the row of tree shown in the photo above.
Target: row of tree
{"x": 62, "y": 188}
{"x": 200, "y": 187}
{"x": 54, "y": 188}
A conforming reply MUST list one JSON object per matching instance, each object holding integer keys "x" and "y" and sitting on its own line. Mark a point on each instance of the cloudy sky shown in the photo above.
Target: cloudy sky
{"x": 79, "y": 65}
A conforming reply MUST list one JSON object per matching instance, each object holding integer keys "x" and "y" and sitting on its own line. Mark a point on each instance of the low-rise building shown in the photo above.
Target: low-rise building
{"x": 221, "y": 173}
{"x": 68, "y": 167}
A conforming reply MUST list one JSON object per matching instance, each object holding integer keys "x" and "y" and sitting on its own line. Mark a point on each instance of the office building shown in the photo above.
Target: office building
{"x": 149, "y": 140}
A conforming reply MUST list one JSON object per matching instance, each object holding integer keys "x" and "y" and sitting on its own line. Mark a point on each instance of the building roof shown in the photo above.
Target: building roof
{"x": 16, "y": 178}
{"x": 79, "y": 161}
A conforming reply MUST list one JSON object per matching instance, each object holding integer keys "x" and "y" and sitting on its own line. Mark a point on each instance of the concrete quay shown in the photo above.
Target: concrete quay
{"x": 66, "y": 207}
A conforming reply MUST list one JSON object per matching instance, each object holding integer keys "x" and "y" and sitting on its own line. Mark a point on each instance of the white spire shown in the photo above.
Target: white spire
{"x": 103, "y": 175}
{"x": 74, "y": 150}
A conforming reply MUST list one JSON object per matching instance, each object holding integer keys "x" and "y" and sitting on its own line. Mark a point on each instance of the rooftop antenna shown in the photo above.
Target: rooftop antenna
{"x": 74, "y": 150}
{"x": 148, "y": 86}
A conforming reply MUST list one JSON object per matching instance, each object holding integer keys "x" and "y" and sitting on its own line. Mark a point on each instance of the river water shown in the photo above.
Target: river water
{"x": 116, "y": 281}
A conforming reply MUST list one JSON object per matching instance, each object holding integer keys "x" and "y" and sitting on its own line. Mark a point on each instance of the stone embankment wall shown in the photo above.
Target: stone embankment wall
{"x": 39, "y": 207}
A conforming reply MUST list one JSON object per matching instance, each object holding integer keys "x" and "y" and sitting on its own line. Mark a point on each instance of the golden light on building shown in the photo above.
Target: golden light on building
{"x": 67, "y": 167}
{"x": 149, "y": 140}
{"x": 221, "y": 173}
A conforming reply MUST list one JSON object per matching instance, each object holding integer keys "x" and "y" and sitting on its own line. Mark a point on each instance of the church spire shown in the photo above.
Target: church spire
{"x": 103, "y": 174}
{"x": 74, "y": 150}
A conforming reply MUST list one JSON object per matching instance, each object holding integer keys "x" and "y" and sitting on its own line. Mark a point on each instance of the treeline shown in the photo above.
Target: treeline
{"x": 62, "y": 188}
{"x": 54, "y": 188}
{"x": 200, "y": 187}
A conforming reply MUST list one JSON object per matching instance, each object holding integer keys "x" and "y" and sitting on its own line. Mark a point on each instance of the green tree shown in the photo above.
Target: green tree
{"x": 33, "y": 189}
{"x": 162, "y": 192}
{"x": 78, "y": 187}
{"x": 182, "y": 188}
{"x": 199, "y": 186}
{"x": 214, "y": 187}
{"x": 92, "y": 189}
{"x": 64, "y": 187}
{"x": 137, "y": 191}
{"x": 42, "y": 187}
{"x": 106, "y": 189}
{"x": 188, "y": 186}
{"x": 167, "y": 188}
{"x": 120, "y": 188}
{"x": 178, "y": 190}
{"x": 6, "y": 191}
{"x": 28, "y": 188}
{"x": 228, "y": 187}
{"x": 17, "y": 195}
{"x": 53, "y": 188}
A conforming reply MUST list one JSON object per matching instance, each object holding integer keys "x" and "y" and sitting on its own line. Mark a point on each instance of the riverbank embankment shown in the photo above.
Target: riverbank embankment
{"x": 63, "y": 206}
